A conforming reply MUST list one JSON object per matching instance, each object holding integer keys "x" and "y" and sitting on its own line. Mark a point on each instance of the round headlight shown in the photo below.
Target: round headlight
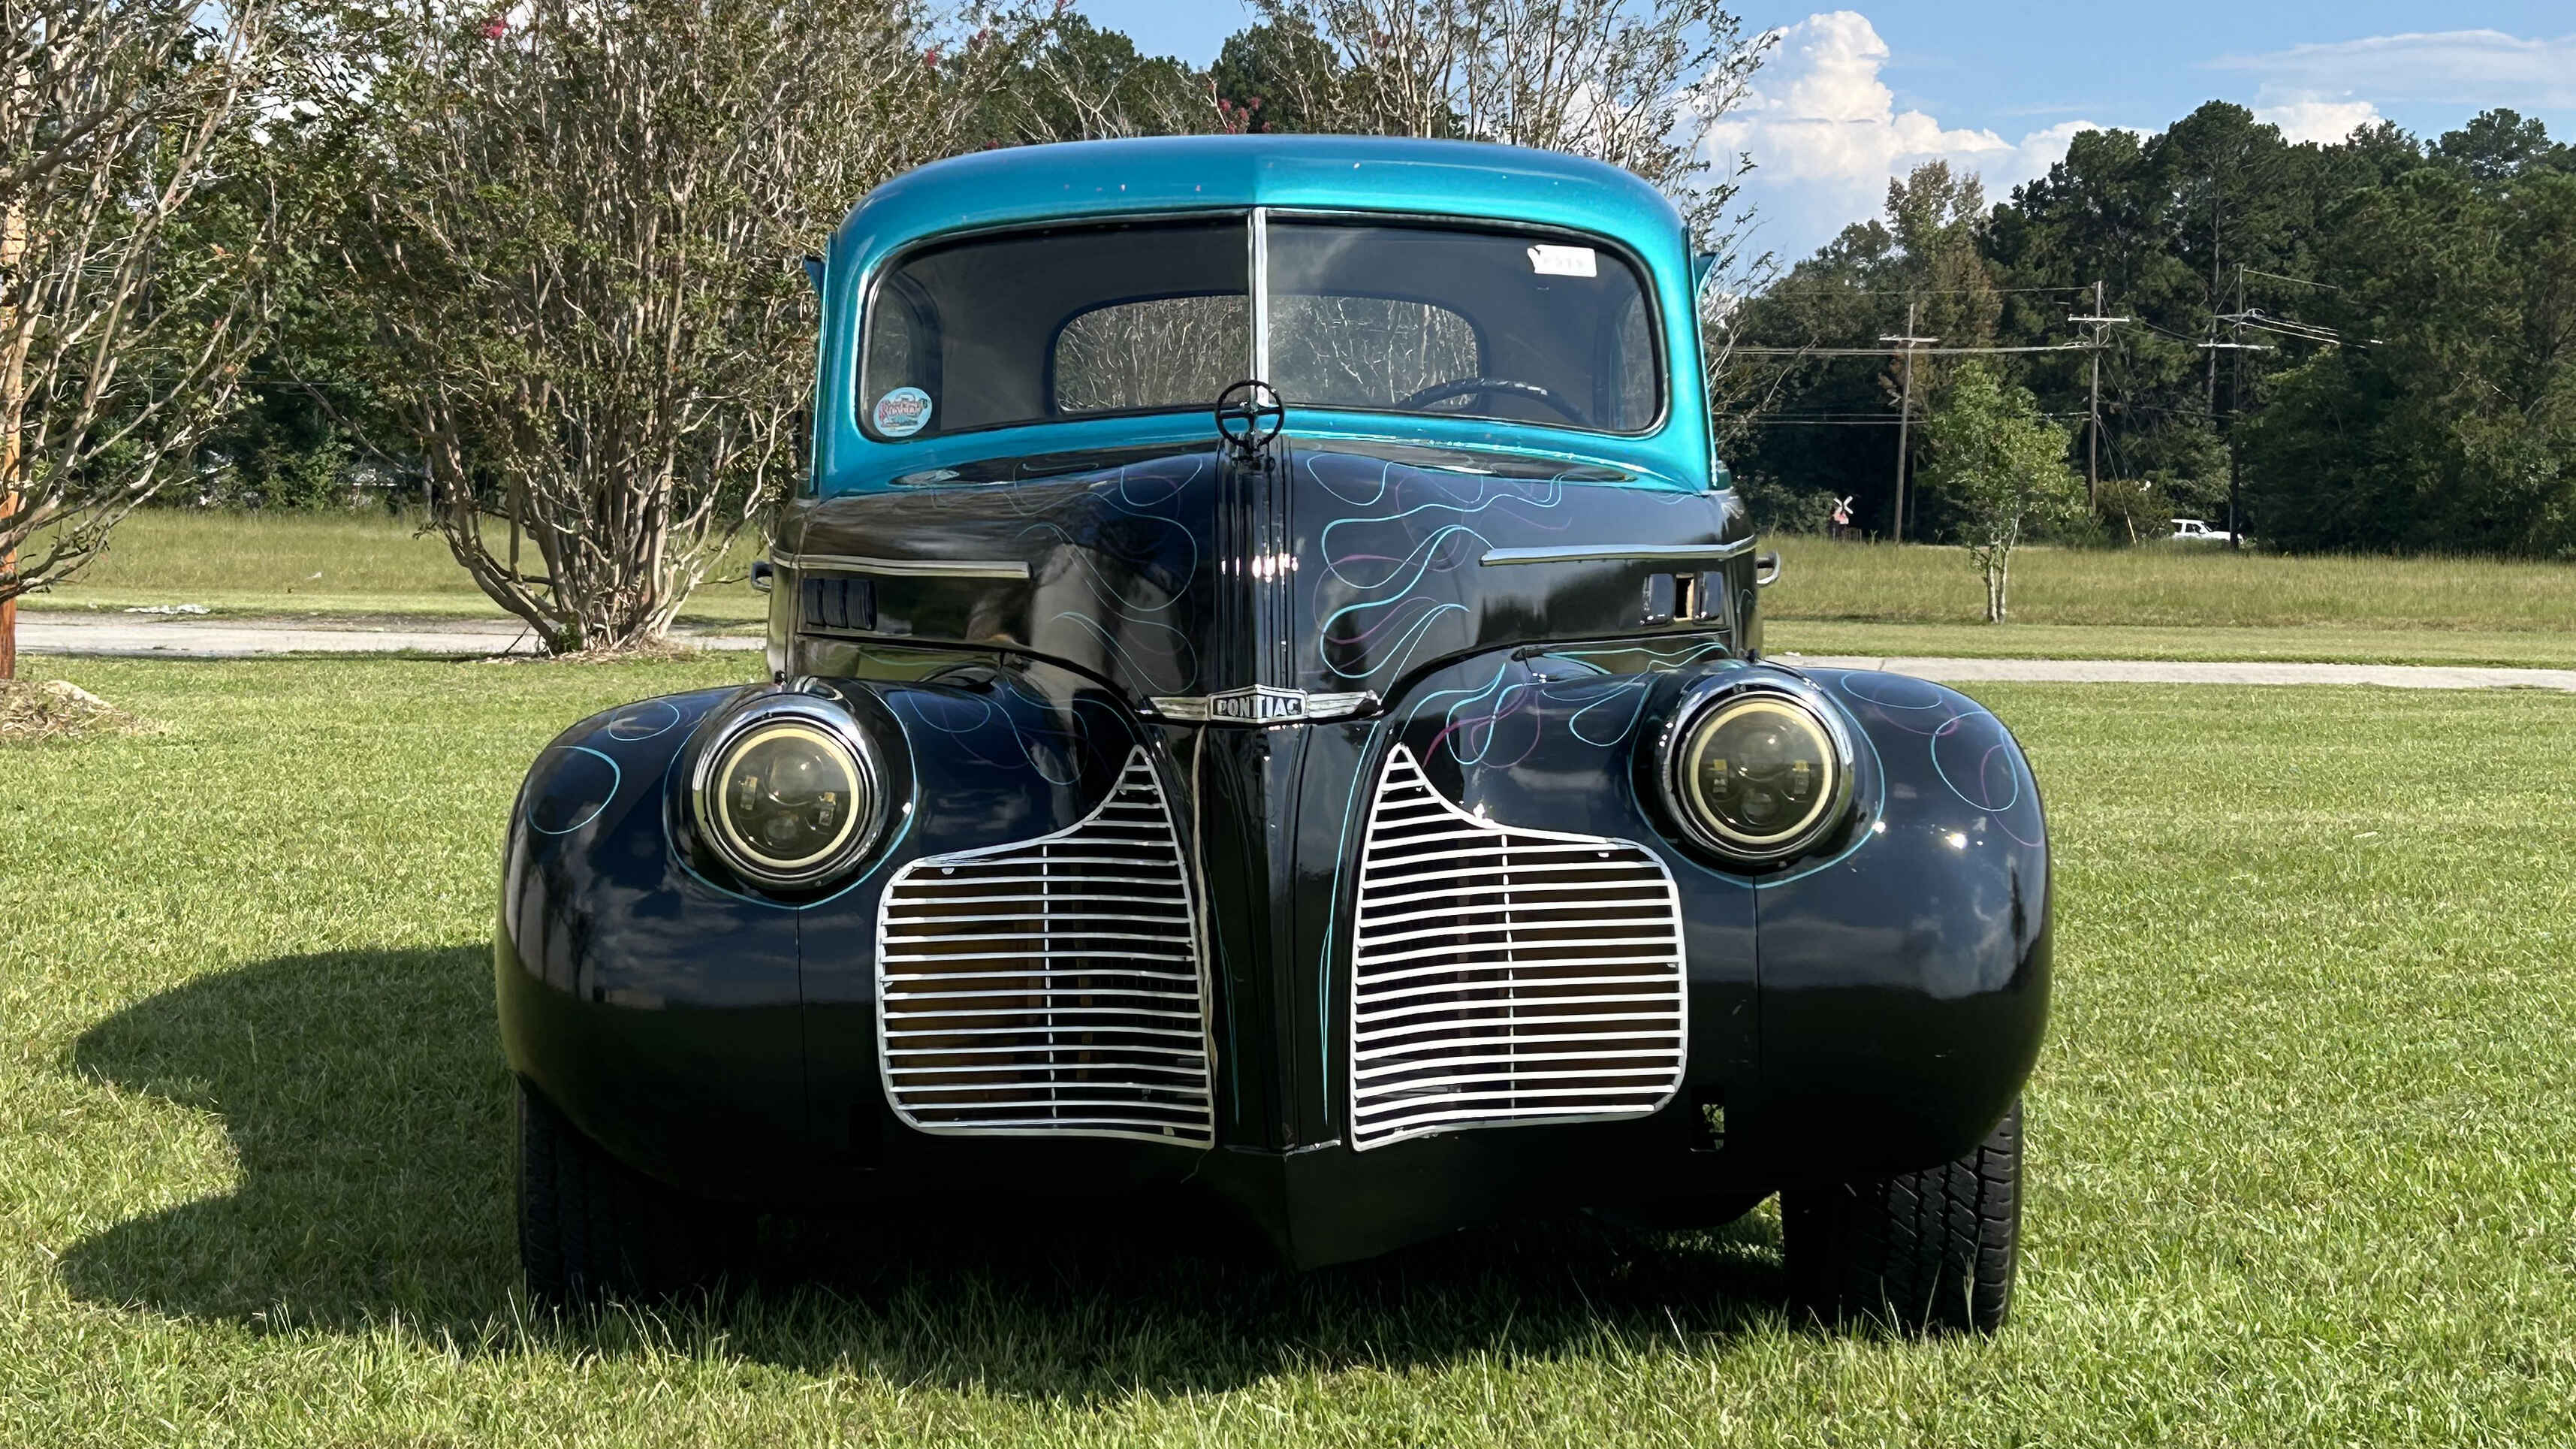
{"x": 789, "y": 795}
{"x": 1760, "y": 775}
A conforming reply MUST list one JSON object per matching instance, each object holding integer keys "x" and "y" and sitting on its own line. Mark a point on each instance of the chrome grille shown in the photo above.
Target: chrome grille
{"x": 1504, "y": 975}
{"x": 1050, "y": 986}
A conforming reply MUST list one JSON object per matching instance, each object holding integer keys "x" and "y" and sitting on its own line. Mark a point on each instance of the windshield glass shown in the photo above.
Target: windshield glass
{"x": 1091, "y": 321}
{"x": 1463, "y": 323}
{"x": 1037, "y": 326}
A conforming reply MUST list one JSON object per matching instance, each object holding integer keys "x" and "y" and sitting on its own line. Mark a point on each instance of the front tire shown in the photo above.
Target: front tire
{"x": 592, "y": 1228}
{"x": 1934, "y": 1250}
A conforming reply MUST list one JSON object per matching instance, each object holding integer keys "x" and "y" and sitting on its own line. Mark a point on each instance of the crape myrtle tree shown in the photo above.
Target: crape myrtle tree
{"x": 1082, "y": 83}
{"x": 1640, "y": 84}
{"x": 1635, "y": 85}
{"x": 2001, "y": 471}
{"x": 575, "y": 226}
{"x": 127, "y": 286}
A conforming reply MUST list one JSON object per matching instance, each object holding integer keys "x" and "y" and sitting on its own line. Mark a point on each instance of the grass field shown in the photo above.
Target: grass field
{"x": 2172, "y": 587}
{"x": 286, "y": 564}
{"x": 2531, "y": 649}
{"x": 2304, "y": 1136}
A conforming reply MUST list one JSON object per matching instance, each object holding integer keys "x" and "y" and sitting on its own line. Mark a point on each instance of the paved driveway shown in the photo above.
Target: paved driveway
{"x": 126, "y": 636}
{"x": 131, "y": 637}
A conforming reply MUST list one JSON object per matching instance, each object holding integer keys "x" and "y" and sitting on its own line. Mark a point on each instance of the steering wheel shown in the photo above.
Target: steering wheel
{"x": 1470, "y": 386}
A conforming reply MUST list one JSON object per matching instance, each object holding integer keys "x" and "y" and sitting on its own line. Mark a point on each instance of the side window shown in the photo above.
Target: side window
{"x": 1632, "y": 362}
{"x": 1157, "y": 353}
{"x": 902, "y": 360}
{"x": 1368, "y": 352}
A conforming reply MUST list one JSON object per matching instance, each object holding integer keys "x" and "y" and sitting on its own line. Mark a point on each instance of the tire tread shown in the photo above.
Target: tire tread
{"x": 592, "y": 1228}
{"x": 1935, "y": 1250}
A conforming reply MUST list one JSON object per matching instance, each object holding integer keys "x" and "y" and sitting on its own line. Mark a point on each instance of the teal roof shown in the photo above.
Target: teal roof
{"x": 1177, "y": 173}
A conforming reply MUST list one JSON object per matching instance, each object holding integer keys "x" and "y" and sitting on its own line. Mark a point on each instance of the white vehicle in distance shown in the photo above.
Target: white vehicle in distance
{"x": 2195, "y": 530}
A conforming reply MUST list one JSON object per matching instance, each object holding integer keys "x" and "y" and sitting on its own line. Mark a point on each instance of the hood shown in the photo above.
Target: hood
{"x": 1334, "y": 569}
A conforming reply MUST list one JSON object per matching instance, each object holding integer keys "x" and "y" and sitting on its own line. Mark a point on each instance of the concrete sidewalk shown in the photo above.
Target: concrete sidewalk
{"x": 128, "y": 637}
{"x": 2151, "y": 671}
{"x": 125, "y": 636}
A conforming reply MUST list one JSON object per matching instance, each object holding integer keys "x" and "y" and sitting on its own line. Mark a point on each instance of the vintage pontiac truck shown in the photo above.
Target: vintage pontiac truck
{"x": 1265, "y": 701}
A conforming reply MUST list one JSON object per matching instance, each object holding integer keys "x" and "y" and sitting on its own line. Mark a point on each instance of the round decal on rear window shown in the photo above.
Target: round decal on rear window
{"x": 902, "y": 412}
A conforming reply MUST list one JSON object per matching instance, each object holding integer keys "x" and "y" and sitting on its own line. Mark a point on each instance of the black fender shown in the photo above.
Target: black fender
{"x": 1905, "y": 970}
{"x": 668, "y": 1008}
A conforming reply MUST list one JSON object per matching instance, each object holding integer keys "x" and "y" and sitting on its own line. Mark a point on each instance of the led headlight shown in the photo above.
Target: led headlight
{"x": 1759, "y": 774}
{"x": 788, "y": 792}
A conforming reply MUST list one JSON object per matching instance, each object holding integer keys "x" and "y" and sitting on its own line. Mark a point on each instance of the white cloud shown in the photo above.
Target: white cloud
{"x": 2480, "y": 68}
{"x": 2314, "y": 119}
{"x": 1826, "y": 137}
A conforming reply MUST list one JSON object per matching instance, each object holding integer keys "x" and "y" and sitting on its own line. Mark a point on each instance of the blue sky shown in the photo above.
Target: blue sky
{"x": 1854, "y": 96}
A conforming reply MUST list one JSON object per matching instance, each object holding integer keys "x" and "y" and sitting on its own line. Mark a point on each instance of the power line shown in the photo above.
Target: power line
{"x": 1855, "y": 420}
{"x": 1899, "y": 352}
{"x": 1820, "y": 291}
{"x": 2302, "y": 281}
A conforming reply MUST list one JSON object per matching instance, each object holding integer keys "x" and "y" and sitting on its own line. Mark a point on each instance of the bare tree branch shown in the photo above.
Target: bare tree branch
{"x": 124, "y": 314}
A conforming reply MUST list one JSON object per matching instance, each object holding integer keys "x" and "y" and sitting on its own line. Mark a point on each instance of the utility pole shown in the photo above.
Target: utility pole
{"x": 2235, "y": 400}
{"x": 1905, "y": 410}
{"x": 2236, "y": 409}
{"x": 2093, "y": 431}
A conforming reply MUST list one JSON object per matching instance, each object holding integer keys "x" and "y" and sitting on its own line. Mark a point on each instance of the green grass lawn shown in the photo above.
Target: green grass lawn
{"x": 2173, "y": 602}
{"x": 294, "y": 564}
{"x": 2304, "y": 1136}
{"x": 2323, "y": 643}
{"x": 2171, "y": 587}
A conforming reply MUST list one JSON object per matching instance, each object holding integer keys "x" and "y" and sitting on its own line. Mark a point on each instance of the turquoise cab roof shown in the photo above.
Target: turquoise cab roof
{"x": 1175, "y": 175}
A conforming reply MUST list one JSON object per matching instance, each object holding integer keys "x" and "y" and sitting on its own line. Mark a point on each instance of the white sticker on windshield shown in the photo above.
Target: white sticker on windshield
{"x": 1550, "y": 261}
{"x": 902, "y": 412}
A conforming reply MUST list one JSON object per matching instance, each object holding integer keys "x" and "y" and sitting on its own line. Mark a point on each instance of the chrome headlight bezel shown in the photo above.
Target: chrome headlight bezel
{"x": 830, "y": 727}
{"x": 1711, "y": 702}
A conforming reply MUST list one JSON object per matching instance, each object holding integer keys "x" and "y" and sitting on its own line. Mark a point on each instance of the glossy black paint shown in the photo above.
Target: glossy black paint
{"x": 1870, "y": 1007}
{"x": 1329, "y": 568}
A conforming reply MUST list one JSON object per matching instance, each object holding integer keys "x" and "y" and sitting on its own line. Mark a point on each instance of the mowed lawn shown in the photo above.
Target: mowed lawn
{"x": 366, "y": 564}
{"x": 2173, "y": 602}
{"x": 2304, "y": 1136}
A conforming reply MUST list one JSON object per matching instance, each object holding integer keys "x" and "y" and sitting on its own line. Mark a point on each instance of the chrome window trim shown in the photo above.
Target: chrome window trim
{"x": 1653, "y": 552}
{"x": 911, "y": 568}
{"x": 1260, "y": 242}
{"x": 1257, "y": 220}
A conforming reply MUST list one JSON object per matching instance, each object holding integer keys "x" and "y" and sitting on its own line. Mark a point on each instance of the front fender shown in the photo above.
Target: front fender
{"x": 1904, "y": 981}
{"x": 692, "y": 1023}
{"x": 654, "y": 1008}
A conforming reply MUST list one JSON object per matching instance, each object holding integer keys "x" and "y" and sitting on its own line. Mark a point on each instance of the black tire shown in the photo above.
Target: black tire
{"x": 591, "y": 1228}
{"x": 1934, "y": 1250}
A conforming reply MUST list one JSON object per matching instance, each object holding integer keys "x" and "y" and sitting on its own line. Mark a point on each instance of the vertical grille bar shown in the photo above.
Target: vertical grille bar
{"x": 1502, "y": 975}
{"x": 1050, "y": 986}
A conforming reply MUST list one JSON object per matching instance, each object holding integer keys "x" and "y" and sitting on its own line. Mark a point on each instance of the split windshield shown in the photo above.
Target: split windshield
{"x": 1045, "y": 326}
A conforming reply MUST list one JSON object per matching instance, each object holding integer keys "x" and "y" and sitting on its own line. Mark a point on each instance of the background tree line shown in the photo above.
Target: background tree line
{"x": 532, "y": 270}
{"x": 2414, "y": 305}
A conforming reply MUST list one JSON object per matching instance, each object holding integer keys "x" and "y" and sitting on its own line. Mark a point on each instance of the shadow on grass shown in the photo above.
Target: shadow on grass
{"x": 370, "y": 1112}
